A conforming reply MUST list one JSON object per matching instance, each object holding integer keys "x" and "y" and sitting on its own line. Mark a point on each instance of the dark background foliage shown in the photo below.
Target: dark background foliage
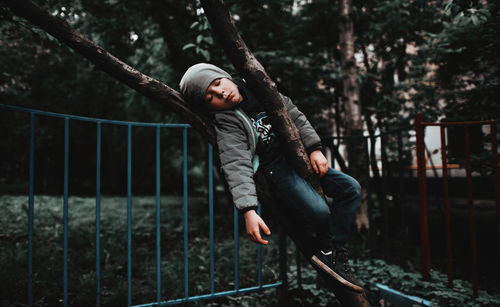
{"x": 440, "y": 58}
{"x": 436, "y": 57}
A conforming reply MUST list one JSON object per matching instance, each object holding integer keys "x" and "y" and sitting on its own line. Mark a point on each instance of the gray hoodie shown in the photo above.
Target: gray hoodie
{"x": 237, "y": 141}
{"x": 236, "y": 136}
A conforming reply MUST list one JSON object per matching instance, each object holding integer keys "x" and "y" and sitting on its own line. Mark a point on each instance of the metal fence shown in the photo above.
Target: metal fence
{"x": 281, "y": 282}
{"x": 399, "y": 185}
{"x": 385, "y": 158}
{"x": 425, "y": 246}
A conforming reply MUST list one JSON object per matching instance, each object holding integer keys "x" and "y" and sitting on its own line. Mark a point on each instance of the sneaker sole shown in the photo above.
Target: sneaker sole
{"x": 328, "y": 270}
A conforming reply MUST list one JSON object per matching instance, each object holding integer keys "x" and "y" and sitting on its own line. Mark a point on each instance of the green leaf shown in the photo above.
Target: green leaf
{"x": 194, "y": 24}
{"x": 484, "y": 12}
{"x": 205, "y": 54}
{"x": 199, "y": 38}
{"x": 447, "y": 8}
{"x": 209, "y": 40}
{"x": 187, "y": 46}
{"x": 475, "y": 20}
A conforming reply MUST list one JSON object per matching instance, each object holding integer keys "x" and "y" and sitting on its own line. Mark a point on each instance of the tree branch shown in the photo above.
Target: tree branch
{"x": 265, "y": 89}
{"x": 105, "y": 61}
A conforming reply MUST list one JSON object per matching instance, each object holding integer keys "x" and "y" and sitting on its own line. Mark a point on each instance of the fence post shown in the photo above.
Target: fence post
{"x": 444, "y": 163}
{"x": 211, "y": 214}
{"x": 129, "y": 215}
{"x": 283, "y": 255}
{"x": 185, "y": 199}
{"x": 158, "y": 214}
{"x": 31, "y": 210}
{"x": 98, "y": 217}
{"x": 65, "y": 212}
{"x": 385, "y": 175}
{"x": 470, "y": 202}
{"x": 496, "y": 178}
{"x": 404, "y": 227}
{"x": 422, "y": 196}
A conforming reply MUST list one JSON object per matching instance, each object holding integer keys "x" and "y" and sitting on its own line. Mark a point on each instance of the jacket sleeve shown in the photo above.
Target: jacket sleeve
{"x": 308, "y": 135}
{"x": 236, "y": 161}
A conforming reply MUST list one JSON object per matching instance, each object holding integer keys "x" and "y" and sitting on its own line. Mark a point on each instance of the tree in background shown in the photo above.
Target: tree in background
{"x": 466, "y": 53}
{"x": 406, "y": 51}
{"x": 439, "y": 58}
{"x": 43, "y": 75}
{"x": 350, "y": 99}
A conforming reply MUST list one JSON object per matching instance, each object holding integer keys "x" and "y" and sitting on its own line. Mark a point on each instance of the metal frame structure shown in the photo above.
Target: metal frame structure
{"x": 424, "y": 228}
{"x": 130, "y": 125}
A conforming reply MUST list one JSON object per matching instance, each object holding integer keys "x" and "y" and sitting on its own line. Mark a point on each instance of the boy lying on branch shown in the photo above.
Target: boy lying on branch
{"x": 247, "y": 143}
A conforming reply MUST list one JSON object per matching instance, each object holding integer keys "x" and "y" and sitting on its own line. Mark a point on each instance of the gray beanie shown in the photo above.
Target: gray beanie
{"x": 196, "y": 80}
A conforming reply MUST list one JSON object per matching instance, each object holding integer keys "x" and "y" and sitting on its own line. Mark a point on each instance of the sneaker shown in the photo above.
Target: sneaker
{"x": 336, "y": 264}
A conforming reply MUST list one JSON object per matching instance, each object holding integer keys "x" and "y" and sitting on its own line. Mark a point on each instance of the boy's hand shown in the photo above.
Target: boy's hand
{"x": 254, "y": 223}
{"x": 319, "y": 162}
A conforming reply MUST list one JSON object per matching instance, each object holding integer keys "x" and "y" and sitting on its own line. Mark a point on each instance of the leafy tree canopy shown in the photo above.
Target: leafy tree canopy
{"x": 411, "y": 54}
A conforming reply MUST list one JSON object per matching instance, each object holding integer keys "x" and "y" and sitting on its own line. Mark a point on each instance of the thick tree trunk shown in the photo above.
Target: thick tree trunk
{"x": 265, "y": 89}
{"x": 357, "y": 158}
{"x": 351, "y": 101}
{"x": 105, "y": 61}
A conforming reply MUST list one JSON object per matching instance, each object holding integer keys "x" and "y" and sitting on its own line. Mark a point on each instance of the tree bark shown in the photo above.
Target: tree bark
{"x": 357, "y": 158}
{"x": 105, "y": 61}
{"x": 353, "y": 117}
{"x": 265, "y": 89}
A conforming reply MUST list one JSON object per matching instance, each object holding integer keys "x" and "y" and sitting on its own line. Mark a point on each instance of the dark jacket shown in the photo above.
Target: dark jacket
{"x": 237, "y": 141}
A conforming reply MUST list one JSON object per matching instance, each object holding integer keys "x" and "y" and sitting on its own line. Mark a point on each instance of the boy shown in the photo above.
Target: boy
{"x": 246, "y": 143}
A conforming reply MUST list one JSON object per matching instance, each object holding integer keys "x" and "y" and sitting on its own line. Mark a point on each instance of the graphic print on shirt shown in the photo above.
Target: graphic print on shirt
{"x": 263, "y": 128}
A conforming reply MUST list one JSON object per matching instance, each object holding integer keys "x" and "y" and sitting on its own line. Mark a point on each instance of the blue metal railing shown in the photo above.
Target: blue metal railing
{"x": 159, "y": 302}
{"x": 30, "y": 210}
{"x": 158, "y": 222}
{"x": 98, "y": 218}
{"x": 65, "y": 206}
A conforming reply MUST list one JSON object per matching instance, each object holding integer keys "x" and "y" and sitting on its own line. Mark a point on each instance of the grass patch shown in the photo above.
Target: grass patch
{"x": 48, "y": 250}
{"x": 48, "y": 258}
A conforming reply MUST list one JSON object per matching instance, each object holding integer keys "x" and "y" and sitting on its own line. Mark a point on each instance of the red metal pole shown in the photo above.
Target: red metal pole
{"x": 472, "y": 224}
{"x": 422, "y": 196}
{"x": 444, "y": 162}
{"x": 496, "y": 176}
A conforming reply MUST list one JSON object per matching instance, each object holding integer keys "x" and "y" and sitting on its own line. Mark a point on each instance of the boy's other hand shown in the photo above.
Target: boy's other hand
{"x": 319, "y": 162}
{"x": 253, "y": 224}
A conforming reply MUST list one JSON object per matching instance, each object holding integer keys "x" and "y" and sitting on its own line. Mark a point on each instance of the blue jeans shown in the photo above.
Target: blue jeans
{"x": 308, "y": 212}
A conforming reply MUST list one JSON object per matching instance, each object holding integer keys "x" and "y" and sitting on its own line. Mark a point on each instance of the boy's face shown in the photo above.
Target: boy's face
{"x": 222, "y": 94}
